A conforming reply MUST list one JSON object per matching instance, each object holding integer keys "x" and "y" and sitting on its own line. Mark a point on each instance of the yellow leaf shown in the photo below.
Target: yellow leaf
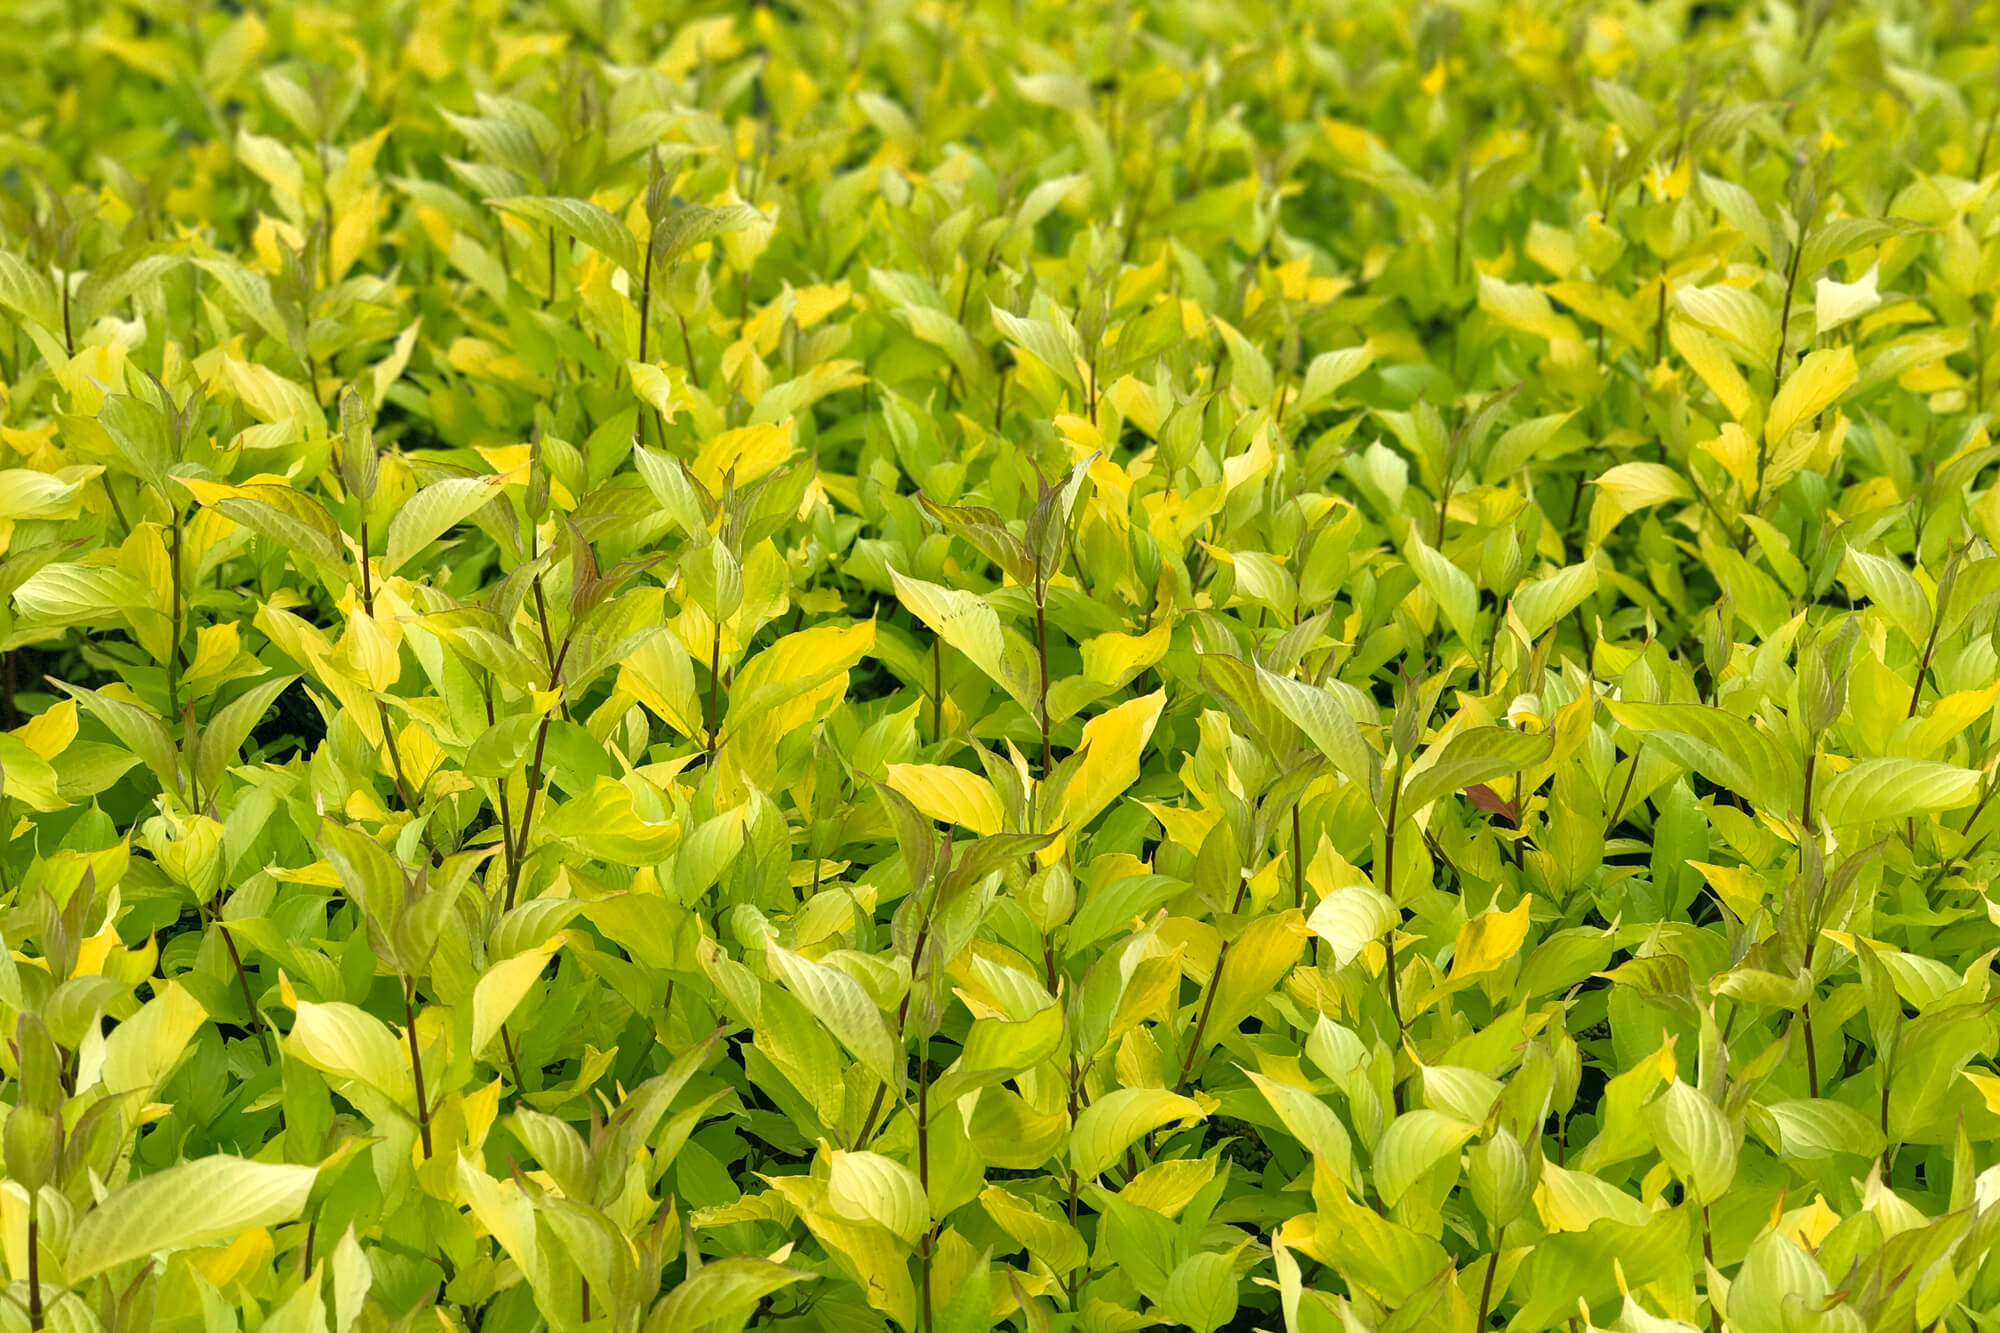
{"x": 369, "y": 653}
{"x": 1184, "y": 826}
{"x": 1524, "y": 308}
{"x": 1737, "y": 453}
{"x": 1256, "y": 963}
{"x": 1834, "y": 303}
{"x": 49, "y": 732}
{"x": 750, "y": 452}
{"x": 1111, "y": 745}
{"x": 354, "y": 231}
{"x": 500, "y": 991}
{"x": 1113, "y": 659}
{"x": 1989, "y": 1088}
{"x": 1741, "y": 889}
{"x": 1810, "y": 1225}
{"x": 1487, "y": 941}
{"x": 949, "y": 794}
{"x": 1811, "y": 388}
{"x": 1947, "y": 718}
{"x": 1573, "y": 1200}
{"x": 1710, "y": 361}
{"x": 1599, "y": 306}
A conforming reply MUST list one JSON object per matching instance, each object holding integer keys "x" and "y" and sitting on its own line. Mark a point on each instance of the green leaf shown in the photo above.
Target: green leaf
{"x": 1475, "y": 755}
{"x": 221, "y": 740}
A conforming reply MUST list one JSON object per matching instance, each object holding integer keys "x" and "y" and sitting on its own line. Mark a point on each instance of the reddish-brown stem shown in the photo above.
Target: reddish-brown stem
{"x": 243, "y": 980}
{"x": 416, "y": 1063}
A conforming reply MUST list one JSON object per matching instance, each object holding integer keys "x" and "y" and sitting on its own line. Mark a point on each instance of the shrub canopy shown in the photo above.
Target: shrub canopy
{"x": 925, "y": 666}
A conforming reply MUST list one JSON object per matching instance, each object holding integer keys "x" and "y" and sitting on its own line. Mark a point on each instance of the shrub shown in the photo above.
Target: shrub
{"x": 960, "y": 666}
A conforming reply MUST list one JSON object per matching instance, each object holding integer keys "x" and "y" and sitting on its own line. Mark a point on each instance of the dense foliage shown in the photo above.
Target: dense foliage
{"x": 1096, "y": 666}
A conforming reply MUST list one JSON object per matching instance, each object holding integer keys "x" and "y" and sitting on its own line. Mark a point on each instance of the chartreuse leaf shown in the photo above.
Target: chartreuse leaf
{"x": 1415, "y": 1142}
{"x": 685, "y": 228}
{"x": 1201, "y": 1291}
{"x": 1776, "y": 1275}
{"x": 1719, "y": 745}
{"x": 1352, "y": 918}
{"x": 1370, "y": 1250}
{"x": 1117, "y": 1120}
{"x": 838, "y": 1001}
{"x": 1894, "y": 788}
{"x": 137, "y": 729}
{"x": 580, "y": 219}
{"x": 1449, "y": 586}
{"x": 500, "y": 991}
{"x": 1311, "y": 1122}
{"x": 1327, "y": 724}
{"x": 722, "y": 1294}
{"x": 231, "y": 725}
{"x": 140, "y": 1052}
{"x": 868, "y": 1187}
{"x": 189, "y": 1204}
{"x": 349, "y": 1043}
{"x": 1695, "y": 1140}
{"x": 29, "y": 294}
{"x": 1810, "y": 1128}
{"x": 432, "y": 512}
{"x": 1049, "y": 1239}
{"x": 294, "y": 520}
{"x": 968, "y": 624}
